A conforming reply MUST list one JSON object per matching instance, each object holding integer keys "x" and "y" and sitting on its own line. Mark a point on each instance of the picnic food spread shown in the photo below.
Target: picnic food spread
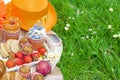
{"x": 26, "y": 53}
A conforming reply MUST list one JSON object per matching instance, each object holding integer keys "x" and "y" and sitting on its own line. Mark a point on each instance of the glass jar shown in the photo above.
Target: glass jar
{"x": 11, "y": 28}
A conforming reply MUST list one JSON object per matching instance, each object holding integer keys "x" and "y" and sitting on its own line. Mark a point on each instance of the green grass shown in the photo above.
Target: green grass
{"x": 97, "y": 52}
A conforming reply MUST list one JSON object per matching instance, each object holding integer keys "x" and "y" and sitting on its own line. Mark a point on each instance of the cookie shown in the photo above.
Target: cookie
{"x": 3, "y": 50}
{"x": 1, "y": 54}
{"x": 14, "y": 46}
{"x": 8, "y": 45}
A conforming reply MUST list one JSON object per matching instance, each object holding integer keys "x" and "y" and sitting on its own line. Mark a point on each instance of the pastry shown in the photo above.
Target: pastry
{"x": 11, "y": 28}
{"x": 25, "y": 71}
{"x": 37, "y": 76}
{"x": 23, "y": 41}
{"x": 2, "y": 68}
{"x": 36, "y": 36}
{"x": 3, "y": 50}
{"x": 12, "y": 76}
{"x": 27, "y": 49}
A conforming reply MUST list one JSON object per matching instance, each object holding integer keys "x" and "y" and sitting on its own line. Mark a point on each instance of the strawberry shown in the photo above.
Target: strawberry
{"x": 19, "y": 55}
{"x": 10, "y": 63}
{"x": 42, "y": 51}
{"x": 27, "y": 59}
{"x": 35, "y": 56}
{"x": 19, "y": 61}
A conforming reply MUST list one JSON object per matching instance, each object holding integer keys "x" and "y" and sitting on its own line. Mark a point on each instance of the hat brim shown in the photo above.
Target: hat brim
{"x": 51, "y": 21}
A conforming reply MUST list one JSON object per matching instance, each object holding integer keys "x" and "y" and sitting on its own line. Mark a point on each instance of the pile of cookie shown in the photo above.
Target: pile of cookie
{"x": 11, "y": 46}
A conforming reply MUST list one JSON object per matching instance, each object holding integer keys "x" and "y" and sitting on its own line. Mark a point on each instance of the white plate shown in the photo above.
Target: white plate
{"x": 54, "y": 51}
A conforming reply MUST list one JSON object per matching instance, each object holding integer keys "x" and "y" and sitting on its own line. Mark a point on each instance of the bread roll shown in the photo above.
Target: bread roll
{"x": 2, "y": 68}
{"x": 12, "y": 76}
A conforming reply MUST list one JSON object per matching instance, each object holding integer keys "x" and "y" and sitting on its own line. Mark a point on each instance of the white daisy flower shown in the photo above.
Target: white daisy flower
{"x": 73, "y": 18}
{"x": 82, "y": 12}
{"x": 68, "y": 25}
{"x": 82, "y": 37}
{"x": 109, "y": 26}
{"x": 87, "y": 37}
{"x": 90, "y": 29}
{"x": 66, "y": 28}
{"x": 111, "y": 10}
{"x": 72, "y": 54}
{"x": 115, "y": 36}
{"x": 69, "y": 18}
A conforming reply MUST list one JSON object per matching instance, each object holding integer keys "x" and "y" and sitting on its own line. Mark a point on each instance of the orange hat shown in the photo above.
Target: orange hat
{"x": 33, "y": 11}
